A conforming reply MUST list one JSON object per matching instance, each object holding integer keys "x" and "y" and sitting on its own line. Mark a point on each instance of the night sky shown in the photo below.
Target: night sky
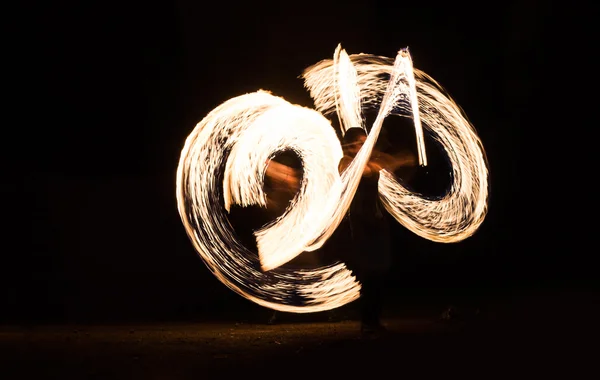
{"x": 107, "y": 95}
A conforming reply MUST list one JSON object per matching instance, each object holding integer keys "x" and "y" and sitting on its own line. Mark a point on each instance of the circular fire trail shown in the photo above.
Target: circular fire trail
{"x": 225, "y": 158}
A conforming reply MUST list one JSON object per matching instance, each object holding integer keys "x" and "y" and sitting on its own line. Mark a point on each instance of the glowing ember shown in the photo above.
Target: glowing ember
{"x": 238, "y": 137}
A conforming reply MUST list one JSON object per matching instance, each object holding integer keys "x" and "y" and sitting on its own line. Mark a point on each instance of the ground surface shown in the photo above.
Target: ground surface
{"x": 524, "y": 338}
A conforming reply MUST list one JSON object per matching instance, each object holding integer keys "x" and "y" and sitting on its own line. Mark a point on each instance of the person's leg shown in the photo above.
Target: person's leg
{"x": 374, "y": 281}
{"x": 371, "y": 305}
{"x": 274, "y": 319}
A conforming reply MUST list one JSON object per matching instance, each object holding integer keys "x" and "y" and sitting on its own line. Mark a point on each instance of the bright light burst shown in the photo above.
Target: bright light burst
{"x": 228, "y": 151}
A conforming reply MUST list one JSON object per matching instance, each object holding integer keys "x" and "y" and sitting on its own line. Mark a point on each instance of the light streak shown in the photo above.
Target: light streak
{"x": 236, "y": 139}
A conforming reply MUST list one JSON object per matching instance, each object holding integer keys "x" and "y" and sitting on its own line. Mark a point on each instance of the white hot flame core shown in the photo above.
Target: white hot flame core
{"x": 235, "y": 141}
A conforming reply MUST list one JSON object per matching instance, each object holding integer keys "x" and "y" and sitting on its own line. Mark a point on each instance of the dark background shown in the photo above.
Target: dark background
{"x": 103, "y": 98}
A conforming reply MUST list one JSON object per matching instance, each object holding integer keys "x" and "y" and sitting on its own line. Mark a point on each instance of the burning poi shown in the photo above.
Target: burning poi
{"x": 236, "y": 139}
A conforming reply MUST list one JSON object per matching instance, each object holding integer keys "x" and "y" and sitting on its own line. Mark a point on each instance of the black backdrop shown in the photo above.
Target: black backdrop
{"x": 104, "y": 97}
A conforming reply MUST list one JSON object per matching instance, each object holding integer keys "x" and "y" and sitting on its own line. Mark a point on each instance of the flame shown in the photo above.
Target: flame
{"x": 238, "y": 137}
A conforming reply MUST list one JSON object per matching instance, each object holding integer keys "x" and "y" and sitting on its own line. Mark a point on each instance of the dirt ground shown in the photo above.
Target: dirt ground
{"x": 528, "y": 339}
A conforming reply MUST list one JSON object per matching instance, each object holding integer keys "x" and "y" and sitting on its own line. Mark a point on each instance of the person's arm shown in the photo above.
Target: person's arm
{"x": 369, "y": 169}
{"x": 393, "y": 162}
{"x": 282, "y": 174}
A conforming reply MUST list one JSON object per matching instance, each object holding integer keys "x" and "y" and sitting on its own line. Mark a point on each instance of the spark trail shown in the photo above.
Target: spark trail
{"x": 238, "y": 137}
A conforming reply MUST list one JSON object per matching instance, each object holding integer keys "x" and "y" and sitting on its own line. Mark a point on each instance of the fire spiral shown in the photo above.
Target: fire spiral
{"x": 224, "y": 160}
